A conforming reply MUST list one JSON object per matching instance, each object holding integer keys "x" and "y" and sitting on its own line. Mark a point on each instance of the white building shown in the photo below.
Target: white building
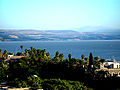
{"x": 111, "y": 64}
{"x": 9, "y": 56}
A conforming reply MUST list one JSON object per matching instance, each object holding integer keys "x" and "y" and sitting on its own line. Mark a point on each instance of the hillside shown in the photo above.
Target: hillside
{"x": 55, "y": 35}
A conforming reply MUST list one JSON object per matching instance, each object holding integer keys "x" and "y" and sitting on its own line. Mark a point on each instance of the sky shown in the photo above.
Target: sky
{"x": 59, "y": 14}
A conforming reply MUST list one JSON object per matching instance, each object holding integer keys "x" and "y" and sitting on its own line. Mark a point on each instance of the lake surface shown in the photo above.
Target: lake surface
{"x": 103, "y": 48}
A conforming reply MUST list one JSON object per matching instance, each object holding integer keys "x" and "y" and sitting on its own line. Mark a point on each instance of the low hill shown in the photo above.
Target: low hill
{"x": 55, "y": 35}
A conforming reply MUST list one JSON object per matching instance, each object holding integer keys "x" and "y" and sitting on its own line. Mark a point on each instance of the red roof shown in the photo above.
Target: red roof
{"x": 14, "y": 58}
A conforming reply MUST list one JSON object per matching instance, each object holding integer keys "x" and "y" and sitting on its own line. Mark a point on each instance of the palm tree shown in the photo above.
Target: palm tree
{"x": 5, "y": 54}
{"x": 87, "y": 61}
{"x": 57, "y": 56}
{"x": 61, "y": 56}
{"x": 21, "y": 49}
{"x": 48, "y": 56}
{"x": 31, "y": 48}
{"x": 82, "y": 56}
{"x": 69, "y": 56}
{"x": 44, "y": 54}
{"x": 97, "y": 63}
{"x": 26, "y": 52}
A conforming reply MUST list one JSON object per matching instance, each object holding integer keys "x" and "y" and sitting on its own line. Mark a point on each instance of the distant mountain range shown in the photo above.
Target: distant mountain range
{"x": 58, "y": 35}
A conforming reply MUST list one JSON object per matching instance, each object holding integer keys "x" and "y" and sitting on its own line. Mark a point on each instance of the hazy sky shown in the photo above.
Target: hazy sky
{"x": 59, "y": 14}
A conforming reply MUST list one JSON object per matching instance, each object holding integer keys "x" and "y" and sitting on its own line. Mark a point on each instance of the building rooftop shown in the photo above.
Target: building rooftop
{"x": 14, "y": 58}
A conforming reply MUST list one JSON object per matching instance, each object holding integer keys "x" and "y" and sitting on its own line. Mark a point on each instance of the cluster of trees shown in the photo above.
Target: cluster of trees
{"x": 49, "y": 84}
{"x": 37, "y": 69}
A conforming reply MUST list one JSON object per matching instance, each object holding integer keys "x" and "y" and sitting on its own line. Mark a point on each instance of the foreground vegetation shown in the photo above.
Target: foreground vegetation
{"x": 37, "y": 69}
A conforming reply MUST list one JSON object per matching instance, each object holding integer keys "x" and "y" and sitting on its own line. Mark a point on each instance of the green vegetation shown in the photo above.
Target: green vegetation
{"x": 38, "y": 70}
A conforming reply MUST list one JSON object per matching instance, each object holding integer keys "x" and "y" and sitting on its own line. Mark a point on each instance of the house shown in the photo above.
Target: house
{"x": 112, "y": 66}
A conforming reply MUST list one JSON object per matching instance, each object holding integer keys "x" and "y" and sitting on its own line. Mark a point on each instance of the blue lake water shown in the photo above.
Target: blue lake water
{"x": 103, "y": 48}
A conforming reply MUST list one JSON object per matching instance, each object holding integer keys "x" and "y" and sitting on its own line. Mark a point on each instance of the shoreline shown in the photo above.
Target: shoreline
{"x": 58, "y": 40}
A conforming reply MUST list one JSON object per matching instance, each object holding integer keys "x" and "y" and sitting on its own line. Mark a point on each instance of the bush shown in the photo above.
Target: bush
{"x": 57, "y": 84}
{"x": 34, "y": 81}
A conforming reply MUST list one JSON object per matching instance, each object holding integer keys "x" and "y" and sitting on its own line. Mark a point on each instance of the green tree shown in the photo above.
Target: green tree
{"x": 21, "y": 47}
{"x": 82, "y": 56}
{"x": 81, "y": 62}
{"x": 19, "y": 54}
{"x": 10, "y": 53}
{"x": 69, "y": 56}
{"x": 5, "y": 54}
{"x": 86, "y": 59}
{"x": 34, "y": 81}
{"x": 31, "y": 48}
{"x": 57, "y": 54}
{"x": 26, "y": 52}
{"x": 22, "y": 84}
{"x": 44, "y": 54}
{"x": 61, "y": 56}
{"x": 57, "y": 84}
{"x": 48, "y": 56}
{"x": 3, "y": 71}
{"x": 97, "y": 58}
{"x": 102, "y": 60}
{"x": 56, "y": 58}
{"x": 96, "y": 62}
{"x": 90, "y": 59}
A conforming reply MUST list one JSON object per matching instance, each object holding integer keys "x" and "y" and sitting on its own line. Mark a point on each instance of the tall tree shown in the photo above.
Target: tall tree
{"x": 31, "y": 48}
{"x": 69, "y": 56}
{"x": 26, "y": 52}
{"x": 87, "y": 61}
{"x": 21, "y": 47}
{"x": 44, "y": 54}
{"x": 61, "y": 56}
{"x": 48, "y": 56}
{"x": 90, "y": 60}
{"x": 57, "y": 56}
{"x": 5, "y": 54}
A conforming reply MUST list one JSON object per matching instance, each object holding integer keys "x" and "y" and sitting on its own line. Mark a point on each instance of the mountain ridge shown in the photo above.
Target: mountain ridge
{"x": 55, "y": 35}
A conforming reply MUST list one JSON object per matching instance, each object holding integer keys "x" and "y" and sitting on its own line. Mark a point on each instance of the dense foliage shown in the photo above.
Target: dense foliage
{"x": 37, "y": 69}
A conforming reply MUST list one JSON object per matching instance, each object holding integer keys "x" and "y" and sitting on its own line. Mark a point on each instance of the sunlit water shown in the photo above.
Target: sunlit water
{"x": 104, "y": 49}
